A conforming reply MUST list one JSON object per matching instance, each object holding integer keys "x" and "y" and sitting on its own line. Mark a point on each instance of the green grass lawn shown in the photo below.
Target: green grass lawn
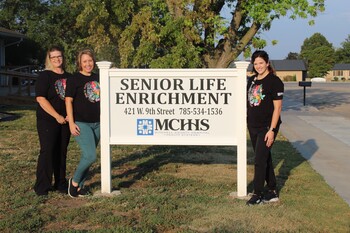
{"x": 164, "y": 189}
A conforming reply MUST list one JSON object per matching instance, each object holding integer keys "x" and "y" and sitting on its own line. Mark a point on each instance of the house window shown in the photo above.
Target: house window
{"x": 337, "y": 73}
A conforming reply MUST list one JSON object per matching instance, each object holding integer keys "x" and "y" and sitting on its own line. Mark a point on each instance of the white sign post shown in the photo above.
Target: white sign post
{"x": 173, "y": 107}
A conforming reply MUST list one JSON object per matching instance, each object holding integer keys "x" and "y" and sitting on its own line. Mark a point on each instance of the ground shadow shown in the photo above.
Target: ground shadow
{"x": 287, "y": 156}
{"x": 155, "y": 157}
{"x": 284, "y": 155}
{"x": 4, "y": 116}
{"x": 6, "y": 111}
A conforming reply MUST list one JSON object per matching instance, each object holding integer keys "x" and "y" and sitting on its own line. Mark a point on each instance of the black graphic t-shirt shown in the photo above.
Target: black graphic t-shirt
{"x": 85, "y": 91}
{"x": 260, "y": 97}
{"x": 52, "y": 86}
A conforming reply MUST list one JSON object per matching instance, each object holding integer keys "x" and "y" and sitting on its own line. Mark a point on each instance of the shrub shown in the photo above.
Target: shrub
{"x": 290, "y": 78}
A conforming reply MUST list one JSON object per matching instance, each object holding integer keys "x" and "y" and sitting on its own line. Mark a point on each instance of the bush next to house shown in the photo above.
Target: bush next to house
{"x": 290, "y": 78}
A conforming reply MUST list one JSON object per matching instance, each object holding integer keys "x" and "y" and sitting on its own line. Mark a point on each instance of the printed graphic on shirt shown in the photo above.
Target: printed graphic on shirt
{"x": 256, "y": 95}
{"x": 60, "y": 87}
{"x": 92, "y": 91}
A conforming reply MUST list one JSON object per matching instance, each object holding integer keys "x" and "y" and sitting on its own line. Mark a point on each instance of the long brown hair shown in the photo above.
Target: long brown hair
{"x": 262, "y": 54}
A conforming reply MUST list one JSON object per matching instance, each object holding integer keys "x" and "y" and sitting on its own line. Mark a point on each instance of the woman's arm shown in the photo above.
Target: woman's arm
{"x": 45, "y": 104}
{"x": 74, "y": 128}
{"x": 270, "y": 135}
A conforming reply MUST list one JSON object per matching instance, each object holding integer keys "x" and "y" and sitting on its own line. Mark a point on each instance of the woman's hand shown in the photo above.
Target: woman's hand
{"x": 269, "y": 138}
{"x": 61, "y": 120}
{"x": 74, "y": 129}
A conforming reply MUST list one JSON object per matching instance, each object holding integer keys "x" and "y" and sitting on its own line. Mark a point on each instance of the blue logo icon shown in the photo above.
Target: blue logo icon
{"x": 145, "y": 127}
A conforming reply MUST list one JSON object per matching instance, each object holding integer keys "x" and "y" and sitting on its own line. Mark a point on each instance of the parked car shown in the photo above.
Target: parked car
{"x": 318, "y": 80}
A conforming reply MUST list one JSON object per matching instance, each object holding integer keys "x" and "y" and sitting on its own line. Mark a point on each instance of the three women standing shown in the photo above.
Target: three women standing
{"x": 52, "y": 124}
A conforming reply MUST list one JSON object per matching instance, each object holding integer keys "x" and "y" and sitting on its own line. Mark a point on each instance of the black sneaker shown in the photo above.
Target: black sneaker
{"x": 271, "y": 196}
{"x": 83, "y": 193}
{"x": 72, "y": 190}
{"x": 255, "y": 200}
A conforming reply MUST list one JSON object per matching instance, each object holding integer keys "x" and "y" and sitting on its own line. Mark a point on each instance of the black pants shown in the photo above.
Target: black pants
{"x": 54, "y": 140}
{"x": 263, "y": 168}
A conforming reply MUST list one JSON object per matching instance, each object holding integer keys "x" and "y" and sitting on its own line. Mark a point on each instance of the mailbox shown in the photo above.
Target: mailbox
{"x": 304, "y": 84}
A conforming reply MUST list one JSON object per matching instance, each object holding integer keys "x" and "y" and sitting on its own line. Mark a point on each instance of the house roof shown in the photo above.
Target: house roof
{"x": 341, "y": 67}
{"x": 285, "y": 65}
{"x": 10, "y": 36}
{"x": 289, "y": 65}
{"x": 9, "y": 33}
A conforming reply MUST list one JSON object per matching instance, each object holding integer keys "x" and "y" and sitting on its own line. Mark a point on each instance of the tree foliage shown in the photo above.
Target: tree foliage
{"x": 319, "y": 55}
{"x": 343, "y": 54}
{"x": 154, "y": 33}
{"x": 293, "y": 56}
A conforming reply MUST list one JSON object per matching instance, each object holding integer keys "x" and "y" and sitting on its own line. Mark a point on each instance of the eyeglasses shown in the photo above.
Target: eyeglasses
{"x": 56, "y": 57}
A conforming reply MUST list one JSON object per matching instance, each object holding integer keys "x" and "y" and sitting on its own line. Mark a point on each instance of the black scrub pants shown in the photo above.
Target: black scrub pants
{"x": 54, "y": 140}
{"x": 263, "y": 168}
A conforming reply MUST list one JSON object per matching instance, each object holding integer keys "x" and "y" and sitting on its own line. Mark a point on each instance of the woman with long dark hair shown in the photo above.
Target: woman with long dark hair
{"x": 265, "y": 94}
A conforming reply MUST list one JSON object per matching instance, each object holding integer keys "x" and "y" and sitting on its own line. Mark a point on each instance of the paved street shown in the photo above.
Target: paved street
{"x": 320, "y": 130}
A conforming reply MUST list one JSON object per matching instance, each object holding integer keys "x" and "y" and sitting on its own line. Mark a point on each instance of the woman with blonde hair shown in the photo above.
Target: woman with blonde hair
{"x": 52, "y": 124}
{"x": 83, "y": 110}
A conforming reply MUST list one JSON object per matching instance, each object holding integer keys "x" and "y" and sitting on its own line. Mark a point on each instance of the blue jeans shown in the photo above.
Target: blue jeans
{"x": 87, "y": 141}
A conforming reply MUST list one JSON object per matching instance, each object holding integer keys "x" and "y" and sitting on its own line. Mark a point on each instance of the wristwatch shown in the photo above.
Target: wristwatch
{"x": 273, "y": 130}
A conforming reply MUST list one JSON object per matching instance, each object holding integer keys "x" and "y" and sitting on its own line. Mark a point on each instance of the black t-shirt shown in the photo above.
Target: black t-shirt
{"x": 51, "y": 86}
{"x": 260, "y": 96}
{"x": 85, "y": 91}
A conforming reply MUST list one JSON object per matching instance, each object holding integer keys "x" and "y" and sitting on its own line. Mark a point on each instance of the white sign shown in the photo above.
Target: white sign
{"x": 173, "y": 107}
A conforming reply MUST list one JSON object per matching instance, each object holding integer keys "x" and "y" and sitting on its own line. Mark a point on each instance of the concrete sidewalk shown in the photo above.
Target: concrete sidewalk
{"x": 320, "y": 131}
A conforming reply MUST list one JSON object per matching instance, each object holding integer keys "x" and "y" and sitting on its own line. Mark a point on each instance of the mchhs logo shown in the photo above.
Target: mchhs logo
{"x": 145, "y": 127}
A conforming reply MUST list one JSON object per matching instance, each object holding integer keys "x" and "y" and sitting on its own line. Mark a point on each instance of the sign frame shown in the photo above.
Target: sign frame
{"x": 107, "y": 77}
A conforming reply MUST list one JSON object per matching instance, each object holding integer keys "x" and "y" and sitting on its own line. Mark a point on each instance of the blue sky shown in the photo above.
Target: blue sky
{"x": 333, "y": 24}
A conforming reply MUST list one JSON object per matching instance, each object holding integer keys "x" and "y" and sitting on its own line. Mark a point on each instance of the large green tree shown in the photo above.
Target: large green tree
{"x": 155, "y": 33}
{"x": 51, "y": 22}
{"x": 343, "y": 54}
{"x": 319, "y": 55}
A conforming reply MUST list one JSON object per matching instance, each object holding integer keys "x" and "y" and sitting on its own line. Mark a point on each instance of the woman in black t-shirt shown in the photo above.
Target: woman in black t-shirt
{"x": 264, "y": 94}
{"x": 52, "y": 125}
{"x": 83, "y": 110}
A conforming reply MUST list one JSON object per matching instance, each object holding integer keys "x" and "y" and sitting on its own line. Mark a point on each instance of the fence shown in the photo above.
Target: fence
{"x": 17, "y": 81}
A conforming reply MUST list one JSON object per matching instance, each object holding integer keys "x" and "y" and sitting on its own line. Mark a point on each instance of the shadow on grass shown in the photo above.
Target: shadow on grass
{"x": 154, "y": 157}
{"x": 7, "y": 115}
{"x": 4, "y": 116}
{"x": 286, "y": 158}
